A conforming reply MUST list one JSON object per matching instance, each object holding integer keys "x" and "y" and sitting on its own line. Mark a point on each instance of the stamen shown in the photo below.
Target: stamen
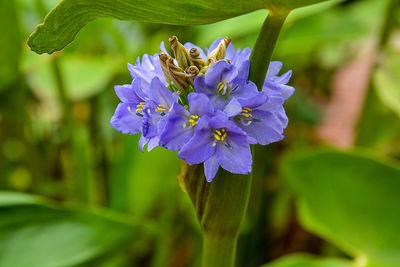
{"x": 162, "y": 108}
{"x": 246, "y": 112}
{"x": 220, "y": 134}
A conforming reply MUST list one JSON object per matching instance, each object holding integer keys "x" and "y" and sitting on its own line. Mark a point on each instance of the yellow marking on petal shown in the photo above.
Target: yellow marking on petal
{"x": 247, "y": 108}
{"x": 163, "y": 106}
{"x": 138, "y": 109}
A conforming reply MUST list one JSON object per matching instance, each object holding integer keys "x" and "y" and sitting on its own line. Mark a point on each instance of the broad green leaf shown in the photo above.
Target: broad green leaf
{"x": 64, "y": 22}
{"x": 305, "y": 260}
{"x": 38, "y": 235}
{"x": 350, "y": 200}
{"x": 387, "y": 81}
{"x": 10, "y": 44}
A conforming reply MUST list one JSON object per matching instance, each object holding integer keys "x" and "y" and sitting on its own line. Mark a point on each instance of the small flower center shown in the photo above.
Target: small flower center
{"x": 162, "y": 107}
{"x": 139, "y": 107}
{"x": 246, "y": 112}
{"x": 223, "y": 87}
{"x": 220, "y": 134}
{"x": 193, "y": 120}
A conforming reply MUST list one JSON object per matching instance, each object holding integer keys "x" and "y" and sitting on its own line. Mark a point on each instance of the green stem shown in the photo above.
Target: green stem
{"x": 265, "y": 44}
{"x": 219, "y": 251}
{"x": 220, "y": 206}
{"x": 388, "y": 23}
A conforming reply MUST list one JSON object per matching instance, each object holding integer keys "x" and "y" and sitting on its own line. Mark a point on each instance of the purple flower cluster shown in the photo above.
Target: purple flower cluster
{"x": 203, "y": 105}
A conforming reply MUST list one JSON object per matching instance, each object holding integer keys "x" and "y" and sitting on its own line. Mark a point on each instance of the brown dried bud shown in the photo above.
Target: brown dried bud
{"x": 191, "y": 73}
{"x": 177, "y": 76}
{"x": 163, "y": 62}
{"x": 219, "y": 52}
{"x": 195, "y": 58}
{"x": 180, "y": 52}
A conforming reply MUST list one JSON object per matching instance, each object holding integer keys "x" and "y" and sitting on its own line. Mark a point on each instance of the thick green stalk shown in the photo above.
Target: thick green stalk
{"x": 265, "y": 44}
{"x": 220, "y": 207}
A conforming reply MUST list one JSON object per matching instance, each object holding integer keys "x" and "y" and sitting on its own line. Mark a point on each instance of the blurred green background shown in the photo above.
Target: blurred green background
{"x": 75, "y": 192}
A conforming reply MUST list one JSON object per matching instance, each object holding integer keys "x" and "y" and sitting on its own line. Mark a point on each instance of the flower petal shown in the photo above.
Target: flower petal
{"x": 153, "y": 142}
{"x": 233, "y": 108}
{"x": 235, "y": 158}
{"x": 199, "y": 148}
{"x": 200, "y": 104}
{"x": 160, "y": 94}
{"x": 274, "y": 68}
{"x": 124, "y": 121}
{"x": 218, "y": 72}
{"x": 142, "y": 142}
{"x": 268, "y": 128}
{"x": 176, "y": 132}
{"x": 211, "y": 167}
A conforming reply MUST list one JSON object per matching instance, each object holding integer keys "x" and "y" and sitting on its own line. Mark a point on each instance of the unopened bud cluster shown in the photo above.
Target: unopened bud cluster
{"x": 187, "y": 65}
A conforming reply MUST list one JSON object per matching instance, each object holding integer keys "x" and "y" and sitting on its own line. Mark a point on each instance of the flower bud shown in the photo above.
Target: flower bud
{"x": 191, "y": 74}
{"x": 219, "y": 52}
{"x": 195, "y": 58}
{"x": 180, "y": 52}
{"x": 177, "y": 76}
{"x": 163, "y": 62}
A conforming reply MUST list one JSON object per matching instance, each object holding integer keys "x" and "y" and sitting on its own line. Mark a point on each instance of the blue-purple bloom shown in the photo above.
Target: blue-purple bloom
{"x": 213, "y": 115}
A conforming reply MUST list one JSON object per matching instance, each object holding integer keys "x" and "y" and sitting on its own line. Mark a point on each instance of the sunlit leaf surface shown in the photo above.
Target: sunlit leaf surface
{"x": 64, "y": 22}
{"x": 354, "y": 204}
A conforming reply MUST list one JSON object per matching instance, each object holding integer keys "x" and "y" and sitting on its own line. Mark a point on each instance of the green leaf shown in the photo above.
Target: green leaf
{"x": 350, "y": 200}
{"x": 10, "y": 44}
{"x": 387, "y": 81}
{"x": 305, "y": 260}
{"x": 64, "y": 22}
{"x": 38, "y": 235}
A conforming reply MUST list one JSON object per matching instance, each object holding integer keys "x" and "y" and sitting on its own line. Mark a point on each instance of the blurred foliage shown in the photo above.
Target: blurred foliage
{"x": 56, "y": 142}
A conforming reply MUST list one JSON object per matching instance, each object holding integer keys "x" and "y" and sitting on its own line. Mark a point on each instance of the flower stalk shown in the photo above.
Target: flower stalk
{"x": 220, "y": 207}
{"x": 264, "y": 46}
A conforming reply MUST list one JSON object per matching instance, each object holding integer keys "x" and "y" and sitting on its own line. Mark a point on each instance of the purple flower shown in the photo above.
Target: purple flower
{"x": 204, "y": 105}
{"x": 156, "y": 110}
{"x": 260, "y": 116}
{"x": 146, "y": 70}
{"x": 181, "y": 122}
{"x": 218, "y": 141}
{"x": 277, "y": 84}
{"x": 129, "y": 114}
{"x": 224, "y": 81}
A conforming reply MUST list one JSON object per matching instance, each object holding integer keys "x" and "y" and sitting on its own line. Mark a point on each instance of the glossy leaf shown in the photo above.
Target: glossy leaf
{"x": 304, "y": 260}
{"x": 37, "y": 235}
{"x": 64, "y": 22}
{"x": 350, "y": 200}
